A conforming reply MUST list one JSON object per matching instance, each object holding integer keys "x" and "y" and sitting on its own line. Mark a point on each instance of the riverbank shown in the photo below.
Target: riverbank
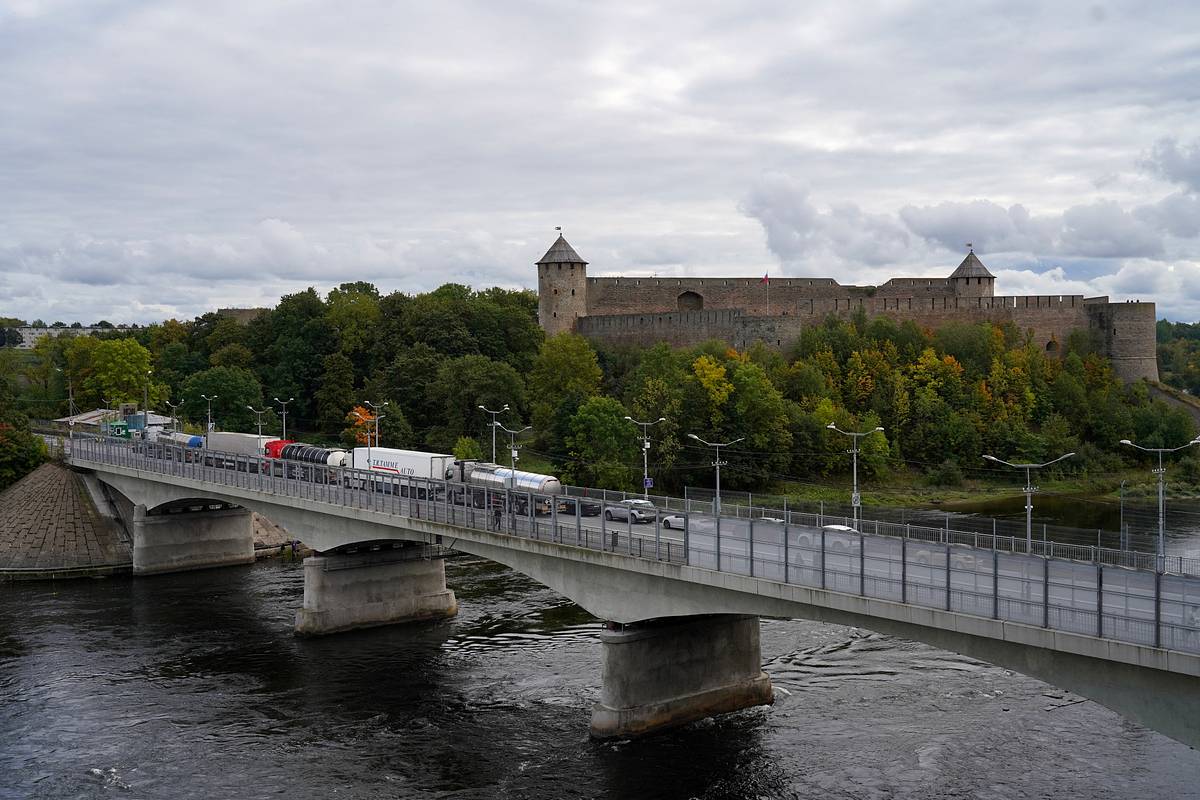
{"x": 911, "y": 491}
{"x": 51, "y": 529}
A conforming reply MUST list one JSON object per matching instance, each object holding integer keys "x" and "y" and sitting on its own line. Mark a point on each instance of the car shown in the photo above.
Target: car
{"x": 588, "y": 508}
{"x": 634, "y": 510}
{"x": 675, "y": 521}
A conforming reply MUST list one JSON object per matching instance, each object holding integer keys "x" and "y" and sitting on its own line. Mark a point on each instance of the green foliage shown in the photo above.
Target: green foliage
{"x": 462, "y": 385}
{"x": 20, "y": 453}
{"x": 602, "y": 446}
{"x": 233, "y": 387}
{"x": 467, "y": 449}
{"x": 565, "y": 373}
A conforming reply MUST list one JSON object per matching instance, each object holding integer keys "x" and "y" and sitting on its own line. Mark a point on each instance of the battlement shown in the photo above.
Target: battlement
{"x": 685, "y": 311}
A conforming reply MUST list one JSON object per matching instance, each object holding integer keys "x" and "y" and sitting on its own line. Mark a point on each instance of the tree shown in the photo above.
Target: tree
{"x": 602, "y": 445}
{"x": 462, "y": 385}
{"x": 336, "y": 394}
{"x": 467, "y": 449}
{"x": 234, "y": 389}
{"x": 565, "y": 366}
{"x": 20, "y": 453}
{"x": 116, "y": 369}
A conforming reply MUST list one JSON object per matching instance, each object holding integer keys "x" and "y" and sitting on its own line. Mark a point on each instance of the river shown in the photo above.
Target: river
{"x": 193, "y": 686}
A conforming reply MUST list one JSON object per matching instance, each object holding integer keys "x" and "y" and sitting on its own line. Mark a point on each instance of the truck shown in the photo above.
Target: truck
{"x": 244, "y": 444}
{"x": 398, "y": 470}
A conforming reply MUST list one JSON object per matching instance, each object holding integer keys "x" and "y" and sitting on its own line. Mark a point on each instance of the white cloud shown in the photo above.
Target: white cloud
{"x": 227, "y": 150}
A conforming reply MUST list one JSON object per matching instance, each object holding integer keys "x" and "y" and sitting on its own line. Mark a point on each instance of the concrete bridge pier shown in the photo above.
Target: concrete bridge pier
{"x": 667, "y": 672}
{"x": 361, "y": 590}
{"x": 185, "y": 537}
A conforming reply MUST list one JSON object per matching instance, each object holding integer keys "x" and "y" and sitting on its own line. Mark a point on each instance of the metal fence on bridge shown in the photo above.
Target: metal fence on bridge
{"x": 1081, "y": 589}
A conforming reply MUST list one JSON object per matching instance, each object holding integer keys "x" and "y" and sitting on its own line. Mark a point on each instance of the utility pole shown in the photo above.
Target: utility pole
{"x": 174, "y": 411}
{"x": 1162, "y": 491}
{"x": 146, "y": 406}
{"x": 718, "y": 463}
{"x": 494, "y": 424}
{"x": 284, "y": 404}
{"x": 258, "y": 414}
{"x": 646, "y": 452}
{"x": 375, "y": 408}
{"x": 513, "y": 457}
{"x": 855, "y": 497}
{"x": 210, "y": 422}
{"x": 1029, "y": 492}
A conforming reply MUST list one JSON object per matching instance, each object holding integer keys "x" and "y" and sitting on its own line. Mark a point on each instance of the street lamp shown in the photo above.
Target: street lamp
{"x": 258, "y": 415}
{"x": 104, "y": 426}
{"x": 1162, "y": 497}
{"x": 716, "y": 463}
{"x": 493, "y": 424}
{"x": 646, "y": 452}
{"x": 146, "y": 406}
{"x": 1029, "y": 490}
{"x": 855, "y": 497}
{"x": 375, "y": 407}
{"x": 71, "y": 411}
{"x": 512, "y": 451}
{"x": 284, "y": 404}
{"x": 209, "y": 428}
{"x": 174, "y": 410}
{"x": 358, "y": 414}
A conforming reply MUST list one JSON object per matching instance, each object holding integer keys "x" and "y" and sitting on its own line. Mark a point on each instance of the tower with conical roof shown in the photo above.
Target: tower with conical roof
{"x": 972, "y": 278}
{"x": 562, "y": 288}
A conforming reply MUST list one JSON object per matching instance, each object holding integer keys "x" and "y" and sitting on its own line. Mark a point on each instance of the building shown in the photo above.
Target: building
{"x": 688, "y": 311}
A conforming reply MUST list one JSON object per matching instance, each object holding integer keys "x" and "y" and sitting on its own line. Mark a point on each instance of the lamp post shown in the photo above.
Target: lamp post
{"x": 718, "y": 463}
{"x": 1029, "y": 490}
{"x": 855, "y": 497}
{"x": 493, "y": 424}
{"x": 364, "y": 419}
{"x": 284, "y": 404}
{"x": 258, "y": 415}
{"x": 70, "y": 393}
{"x": 646, "y": 452}
{"x": 104, "y": 426}
{"x": 1162, "y": 495}
{"x": 146, "y": 405}
{"x": 375, "y": 408}
{"x": 174, "y": 411}
{"x": 512, "y": 450}
{"x": 209, "y": 426}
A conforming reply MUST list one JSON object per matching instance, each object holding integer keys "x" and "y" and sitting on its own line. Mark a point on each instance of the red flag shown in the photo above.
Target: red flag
{"x": 765, "y": 280}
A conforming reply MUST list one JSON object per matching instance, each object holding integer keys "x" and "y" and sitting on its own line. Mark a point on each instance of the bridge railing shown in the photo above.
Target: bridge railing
{"x": 1061, "y": 587}
{"x": 1134, "y": 551}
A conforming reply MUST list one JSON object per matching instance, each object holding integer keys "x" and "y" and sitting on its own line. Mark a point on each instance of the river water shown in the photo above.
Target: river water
{"x": 192, "y": 686}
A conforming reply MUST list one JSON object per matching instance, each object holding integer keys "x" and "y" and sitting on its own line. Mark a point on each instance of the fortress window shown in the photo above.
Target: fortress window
{"x": 572, "y": 293}
{"x": 556, "y": 291}
{"x": 560, "y": 267}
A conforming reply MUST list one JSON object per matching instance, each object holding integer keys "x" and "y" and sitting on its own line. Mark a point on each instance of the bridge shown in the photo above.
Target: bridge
{"x": 682, "y": 594}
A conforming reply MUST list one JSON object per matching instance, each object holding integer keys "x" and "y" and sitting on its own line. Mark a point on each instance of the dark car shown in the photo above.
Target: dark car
{"x": 588, "y": 508}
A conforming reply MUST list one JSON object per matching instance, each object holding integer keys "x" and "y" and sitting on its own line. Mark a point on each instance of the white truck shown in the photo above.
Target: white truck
{"x": 244, "y": 444}
{"x": 402, "y": 463}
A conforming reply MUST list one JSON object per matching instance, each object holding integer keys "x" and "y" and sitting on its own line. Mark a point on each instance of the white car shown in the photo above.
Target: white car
{"x": 674, "y": 521}
{"x": 636, "y": 510}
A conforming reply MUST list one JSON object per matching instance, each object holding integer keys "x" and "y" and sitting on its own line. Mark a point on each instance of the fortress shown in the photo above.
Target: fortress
{"x": 688, "y": 311}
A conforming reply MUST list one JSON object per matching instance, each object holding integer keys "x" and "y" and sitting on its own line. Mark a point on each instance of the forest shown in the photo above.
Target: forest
{"x": 943, "y": 397}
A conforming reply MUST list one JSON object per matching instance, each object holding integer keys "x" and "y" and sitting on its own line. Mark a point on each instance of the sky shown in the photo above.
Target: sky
{"x": 163, "y": 159}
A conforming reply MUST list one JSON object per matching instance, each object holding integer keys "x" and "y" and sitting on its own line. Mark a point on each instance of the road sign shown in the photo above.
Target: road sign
{"x": 648, "y": 483}
{"x": 856, "y": 499}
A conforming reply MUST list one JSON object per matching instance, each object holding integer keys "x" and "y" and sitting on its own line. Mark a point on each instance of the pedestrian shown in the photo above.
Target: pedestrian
{"x": 497, "y": 517}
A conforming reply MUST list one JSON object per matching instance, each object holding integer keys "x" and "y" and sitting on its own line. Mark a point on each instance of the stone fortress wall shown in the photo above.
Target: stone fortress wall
{"x": 689, "y": 311}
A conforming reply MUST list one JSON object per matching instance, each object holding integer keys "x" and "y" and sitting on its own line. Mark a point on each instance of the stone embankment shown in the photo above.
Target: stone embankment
{"x": 51, "y": 528}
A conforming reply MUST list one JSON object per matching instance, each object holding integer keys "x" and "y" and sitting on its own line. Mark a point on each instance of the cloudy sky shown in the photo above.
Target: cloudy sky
{"x": 166, "y": 158}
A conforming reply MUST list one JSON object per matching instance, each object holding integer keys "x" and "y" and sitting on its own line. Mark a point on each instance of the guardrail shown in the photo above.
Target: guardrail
{"x": 1072, "y": 588}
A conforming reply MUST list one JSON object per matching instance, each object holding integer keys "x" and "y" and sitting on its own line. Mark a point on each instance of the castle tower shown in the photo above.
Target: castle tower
{"x": 972, "y": 278}
{"x": 562, "y": 288}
